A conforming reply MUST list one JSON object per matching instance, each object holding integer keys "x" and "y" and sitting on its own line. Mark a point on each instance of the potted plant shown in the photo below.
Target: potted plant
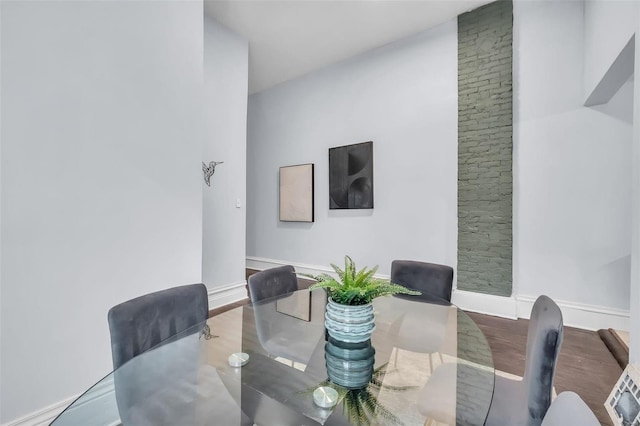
{"x": 349, "y": 315}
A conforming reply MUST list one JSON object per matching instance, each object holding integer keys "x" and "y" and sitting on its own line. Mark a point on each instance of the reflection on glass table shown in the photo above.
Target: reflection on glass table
{"x": 187, "y": 379}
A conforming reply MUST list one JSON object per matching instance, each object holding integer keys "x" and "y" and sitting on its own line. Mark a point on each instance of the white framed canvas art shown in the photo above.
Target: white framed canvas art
{"x": 296, "y": 193}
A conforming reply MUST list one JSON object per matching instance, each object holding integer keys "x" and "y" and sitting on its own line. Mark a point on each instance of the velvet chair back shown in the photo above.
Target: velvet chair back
{"x": 142, "y": 323}
{"x": 272, "y": 282}
{"x": 544, "y": 339}
{"x": 431, "y": 279}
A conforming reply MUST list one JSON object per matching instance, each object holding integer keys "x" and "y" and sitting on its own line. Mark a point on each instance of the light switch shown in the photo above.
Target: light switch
{"x": 238, "y": 203}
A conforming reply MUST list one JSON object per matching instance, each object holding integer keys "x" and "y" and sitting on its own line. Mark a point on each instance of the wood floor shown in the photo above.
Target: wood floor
{"x": 585, "y": 365}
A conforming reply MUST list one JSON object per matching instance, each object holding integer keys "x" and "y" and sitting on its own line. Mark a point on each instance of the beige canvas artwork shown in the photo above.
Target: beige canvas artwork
{"x": 296, "y": 193}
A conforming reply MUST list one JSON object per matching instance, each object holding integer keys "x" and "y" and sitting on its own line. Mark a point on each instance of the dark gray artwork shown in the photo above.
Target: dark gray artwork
{"x": 351, "y": 176}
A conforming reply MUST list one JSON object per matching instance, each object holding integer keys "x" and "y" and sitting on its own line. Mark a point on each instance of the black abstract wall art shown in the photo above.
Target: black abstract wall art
{"x": 351, "y": 176}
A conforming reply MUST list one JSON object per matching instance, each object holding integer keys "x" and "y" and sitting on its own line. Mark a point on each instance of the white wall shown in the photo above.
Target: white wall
{"x": 572, "y": 165}
{"x": 572, "y": 210}
{"x": 403, "y": 97}
{"x": 226, "y": 62}
{"x": 610, "y": 24}
{"x": 101, "y": 180}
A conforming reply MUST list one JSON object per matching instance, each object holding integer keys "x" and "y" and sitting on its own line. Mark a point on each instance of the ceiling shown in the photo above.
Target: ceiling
{"x": 290, "y": 38}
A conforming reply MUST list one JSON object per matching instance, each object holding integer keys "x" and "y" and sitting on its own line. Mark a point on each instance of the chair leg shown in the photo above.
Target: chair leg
{"x": 441, "y": 359}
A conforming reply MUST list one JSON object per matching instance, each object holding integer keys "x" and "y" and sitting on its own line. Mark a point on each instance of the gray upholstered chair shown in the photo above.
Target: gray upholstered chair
{"x": 280, "y": 334}
{"x": 433, "y": 280}
{"x": 142, "y": 323}
{"x": 515, "y": 402}
{"x": 157, "y": 387}
{"x": 526, "y": 402}
{"x": 569, "y": 409}
{"x": 272, "y": 282}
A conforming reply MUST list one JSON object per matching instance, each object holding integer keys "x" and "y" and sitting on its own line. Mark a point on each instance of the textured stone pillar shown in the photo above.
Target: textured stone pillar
{"x": 485, "y": 145}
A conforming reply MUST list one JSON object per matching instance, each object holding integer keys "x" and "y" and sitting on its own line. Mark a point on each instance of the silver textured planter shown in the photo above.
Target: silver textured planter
{"x": 349, "y": 323}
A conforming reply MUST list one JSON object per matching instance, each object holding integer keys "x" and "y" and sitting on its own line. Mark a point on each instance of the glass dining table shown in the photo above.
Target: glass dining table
{"x": 195, "y": 377}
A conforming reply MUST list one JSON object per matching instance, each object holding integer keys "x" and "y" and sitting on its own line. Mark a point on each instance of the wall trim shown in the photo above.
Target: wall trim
{"x": 588, "y": 317}
{"x": 43, "y": 416}
{"x": 261, "y": 263}
{"x": 46, "y": 415}
{"x": 499, "y": 306}
{"x": 226, "y": 294}
{"x": 579, "y": 315}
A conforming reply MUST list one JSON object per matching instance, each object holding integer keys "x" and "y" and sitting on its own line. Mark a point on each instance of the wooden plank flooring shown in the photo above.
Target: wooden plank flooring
{"x": 585, "y": 365}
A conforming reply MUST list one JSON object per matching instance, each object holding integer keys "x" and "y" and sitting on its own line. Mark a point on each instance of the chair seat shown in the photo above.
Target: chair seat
{"x": 507, "y": 406}
{"x": 432, "y": 330}
{"x": 286, "y": 336}
{"x": 282, "y": 344}
{"x": 569, "y": 409}
{"x": 194, "y": 401}
{"x": 457, "y": 393}
{"x": 437, "y": 399}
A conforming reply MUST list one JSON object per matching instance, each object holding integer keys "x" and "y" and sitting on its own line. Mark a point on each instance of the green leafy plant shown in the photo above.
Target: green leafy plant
{"x": 355, "y": 287}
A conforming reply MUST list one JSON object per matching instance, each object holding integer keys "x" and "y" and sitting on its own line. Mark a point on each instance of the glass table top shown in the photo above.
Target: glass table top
{"x": 188, "y": 380}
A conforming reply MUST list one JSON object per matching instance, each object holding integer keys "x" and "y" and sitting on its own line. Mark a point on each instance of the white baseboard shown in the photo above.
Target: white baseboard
{"x": 579, "y": 315}
{"x": 42, "y": 417}
{"x": 499, "y": 306}
{"x": 261, "y": 263}
{"x": 100, "y": 394}
{"x": 588, "y": 317}
{"x": 224, "y": 295}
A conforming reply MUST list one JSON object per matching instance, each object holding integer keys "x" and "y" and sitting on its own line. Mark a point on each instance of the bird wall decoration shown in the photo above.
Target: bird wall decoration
{"x": 209, "y": 170}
